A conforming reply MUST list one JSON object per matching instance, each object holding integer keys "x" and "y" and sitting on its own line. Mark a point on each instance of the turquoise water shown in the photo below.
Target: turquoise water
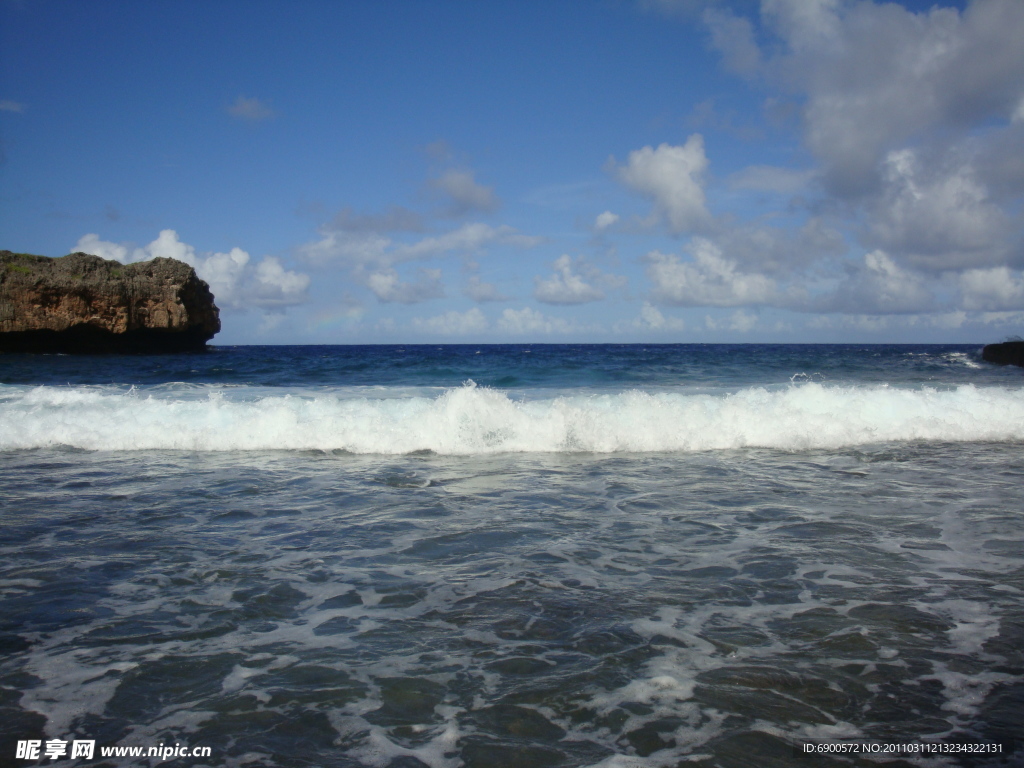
{"x": 524, "y": 556}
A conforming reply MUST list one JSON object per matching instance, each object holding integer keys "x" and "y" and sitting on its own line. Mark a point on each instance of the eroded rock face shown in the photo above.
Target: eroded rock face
{"x": 81, "y": 303}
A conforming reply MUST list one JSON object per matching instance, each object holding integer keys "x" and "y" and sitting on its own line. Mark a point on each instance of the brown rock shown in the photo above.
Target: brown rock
{"x": 84, "y": 304}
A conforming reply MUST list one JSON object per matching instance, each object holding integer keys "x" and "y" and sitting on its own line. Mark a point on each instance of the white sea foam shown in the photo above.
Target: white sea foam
{"x": 475, "y": 420}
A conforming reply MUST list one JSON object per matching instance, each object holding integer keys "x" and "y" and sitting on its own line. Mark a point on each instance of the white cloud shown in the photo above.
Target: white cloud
{"x": 387, "y": 286}
{"x": 880, "y": 286}
{"x": 251, "y": 109}
{"x": 709, "y": 280}
{"x": 478, "y": 290}
{"x": 528, "y": 321}
{"x": 651, "y": 318}
{"x": 464, "y": 194}
{"x": 92, "y": 244}
{"x": 877, "y": 75}
{"x": 565, "y": 286}
{"x": 223, "y": 271}
{"x": 999, "y": 288}
{"x": 739, "y": 321}
{"x": 946, "y": 321}
{"x": 868, "y": 323}
{"x": 453, "y": 323}
{"x": 916, "y": 122}
{"x": 352, "y": 247}
{"x": 1018, "y": 114}
{"x": 234, "y": 280}
{"x": 372, "y": 256}
{"x": 778, "y": 251}
{"x": 605, "y": 220}
{"x": 1002, "y": 318}
{"x": 936, "y": 217}
{"x": 469, "y": 238}
{"x": 671, "y": 176}
{"x": 805, "y": 24}
{"x": 361, "y": 247}
{"x": 734, "y": 37}
{"x": 276, "y": 286}
{"x": 168, "y": 246}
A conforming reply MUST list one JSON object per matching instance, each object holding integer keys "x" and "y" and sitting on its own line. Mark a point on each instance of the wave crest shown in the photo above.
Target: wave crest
{"x": 476, "y": 420}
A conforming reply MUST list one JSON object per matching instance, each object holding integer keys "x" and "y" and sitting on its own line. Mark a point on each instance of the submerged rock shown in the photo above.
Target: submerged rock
{"x": 1007, "y": 353}
{"x": 84, "y": 304}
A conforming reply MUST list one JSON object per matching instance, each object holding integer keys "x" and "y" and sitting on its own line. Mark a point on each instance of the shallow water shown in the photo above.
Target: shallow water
{"x": 297, "y": 608}
{"x": 527, "y": 608}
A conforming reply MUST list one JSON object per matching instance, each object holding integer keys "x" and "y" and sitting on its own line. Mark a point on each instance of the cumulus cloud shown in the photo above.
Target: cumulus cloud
{"x": 739, "y": 321}
{"x": 480, "y": 291}
{"x": 605, "y": 220}
{"x": 388, "y": 287}
{"x": 463, "y": 194}
{"x": 352, "y": 247}
{"x": 373, "y": 247}
{"x": 275, "y": 286}
{"x": 777, "y": 251}
{"x": 566, "y": 286}
{"x": 672, "y": 177}
{"x": 915, "y": 120}
{"x": 105, "y": 249}
{"x": 734, "y": 37}
{"x": 251, "y": 109}
{"x": 372, "y": 257}
{"x": 879, "y": 286}
{"x": 469, "y": 238}
{"x": 983, "y": 321}
{"x": 530, "y": 322}
{"x": 236, "y": 282}
{"x": 1002, "y": 318}
{"x": 651, "y": 318}
{"x": 875, "y": 76}
{"x": 708, "y": 280}
{"x": 453, "y": 323}
{"x": 225, "y": 273}
{"x": 936, "y": 215}
{"x": 999, "y": 288}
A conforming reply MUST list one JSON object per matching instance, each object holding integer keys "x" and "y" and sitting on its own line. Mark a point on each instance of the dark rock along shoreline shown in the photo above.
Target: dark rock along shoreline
{"x": 85, "y": 304}
{"x": 1006, "y": 353}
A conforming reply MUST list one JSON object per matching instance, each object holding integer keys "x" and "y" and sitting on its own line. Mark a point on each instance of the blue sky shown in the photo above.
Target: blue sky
{"x": 649, "y": 171}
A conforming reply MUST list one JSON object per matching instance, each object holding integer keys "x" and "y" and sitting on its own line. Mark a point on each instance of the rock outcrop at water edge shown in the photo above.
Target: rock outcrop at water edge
{"x": 1006, "y": 353}
{"x": 84, "y": 304}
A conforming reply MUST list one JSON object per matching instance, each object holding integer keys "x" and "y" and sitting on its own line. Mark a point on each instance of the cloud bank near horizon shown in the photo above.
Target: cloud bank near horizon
{"x": 856, "y": 172}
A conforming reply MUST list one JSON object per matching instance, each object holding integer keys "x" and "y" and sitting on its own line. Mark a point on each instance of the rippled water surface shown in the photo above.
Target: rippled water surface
{"x": 514, "y": 608}
{"x": 296, "y": 609}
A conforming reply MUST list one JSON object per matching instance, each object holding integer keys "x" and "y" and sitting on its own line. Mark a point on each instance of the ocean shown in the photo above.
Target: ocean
{"x": 618, "y": 556}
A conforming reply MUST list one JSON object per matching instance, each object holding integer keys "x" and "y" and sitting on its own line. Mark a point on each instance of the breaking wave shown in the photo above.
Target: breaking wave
{"x": 475, "y": 420}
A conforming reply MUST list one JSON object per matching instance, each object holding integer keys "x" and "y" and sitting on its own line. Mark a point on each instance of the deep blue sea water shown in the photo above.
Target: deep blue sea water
{"x": 523, "y": 555}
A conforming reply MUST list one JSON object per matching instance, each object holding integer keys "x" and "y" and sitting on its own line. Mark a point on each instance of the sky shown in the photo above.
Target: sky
{"x": 648, "y": 171}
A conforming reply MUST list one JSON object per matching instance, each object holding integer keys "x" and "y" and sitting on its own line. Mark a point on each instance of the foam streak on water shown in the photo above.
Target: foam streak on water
{"x": 476, "y": 420}
{"x": 532, "y": 610}
{"x": 608, "y": 557}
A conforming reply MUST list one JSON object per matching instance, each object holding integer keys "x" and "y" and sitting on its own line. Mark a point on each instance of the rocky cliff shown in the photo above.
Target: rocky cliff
{"x": 82, "y": 303}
